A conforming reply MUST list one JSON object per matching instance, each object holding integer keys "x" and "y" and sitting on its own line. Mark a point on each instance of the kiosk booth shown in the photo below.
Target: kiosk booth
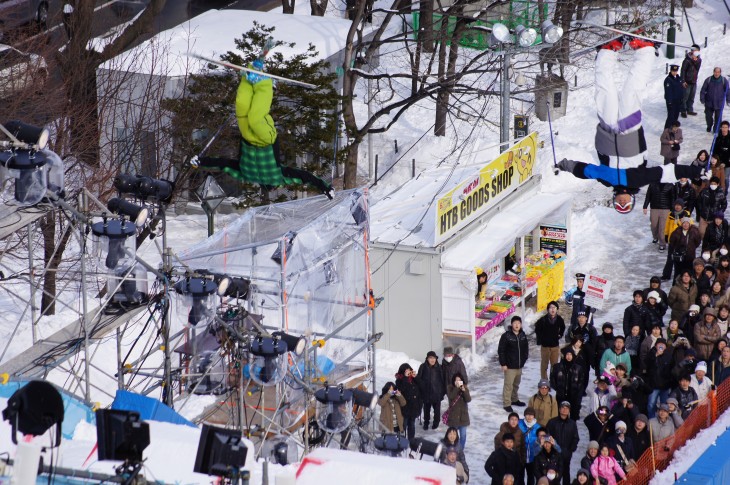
{"x": 431, "y": 237}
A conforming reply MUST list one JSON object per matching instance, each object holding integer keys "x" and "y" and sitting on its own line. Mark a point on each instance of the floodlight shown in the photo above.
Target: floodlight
{"x": 365, "y": 399}
{"x": 391, "y": 444}
{"x": 112, "y": 236}
{"x": 126, "y": 184}
{"x": 136, "y": 213}
{"x": 34, "y": 136}
{"x": 34, "y": 409}
{"x": 500, "y": 34}
{"x": 144, "y": 187}
{"x": 551, "y": 33}
{"x": 221, "y": 452}
{"x": 233, "y": 287}
{"x": 120, "y": 435}
{"x": 293, "y": 344}
{"x": 334, "y": 408}
{"x": 525, "y": 36}
{"x": 269, "y": 364}
{"x": 198, "y": 294}
{"x": 425, "y": 447}
{"x": 289, "y": 242}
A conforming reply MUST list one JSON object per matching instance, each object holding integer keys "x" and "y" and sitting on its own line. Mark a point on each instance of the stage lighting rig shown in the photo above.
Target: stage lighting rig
{"x": 293, "y": 343}
{"x": 111, "y": 238}
{"x": 144, "y": 188}
{"x": 198, "y": 294}
{"x": 334, "y": 408}
{"x": 269, "y": 364}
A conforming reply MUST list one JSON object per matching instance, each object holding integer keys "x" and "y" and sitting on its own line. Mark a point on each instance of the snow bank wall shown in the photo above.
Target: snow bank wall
{"x": 713, "y": 466}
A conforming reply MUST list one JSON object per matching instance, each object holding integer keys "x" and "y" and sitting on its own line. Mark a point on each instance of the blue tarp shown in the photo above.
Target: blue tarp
{"x": 713, "y": 466}
{"x": 75, "y": 410}
{"x": 148, "y": 408}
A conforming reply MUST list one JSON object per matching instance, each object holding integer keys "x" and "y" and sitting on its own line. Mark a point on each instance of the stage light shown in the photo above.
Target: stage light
{"x": 121, "y": 436}
{"x": 136, "y": 213}
{"x": 391, "y": 444}
{"x": 425, "y": 447}
{"x": 112, "y": 236}
{"x": 551, "y": 33}
{"x": 293, "y": 343}
{"x": 126, "y": 184}
{"x": 500, "y": 34}
{"x": 34, "y": 136}
{"x": 334, "y": 408}
{"x": 269, "y": 364}
{"x": 365, "y": 399}
{"x": 144, "y": 187}
{"x": 289, "y": 238}
{"x": 34, "y": 409}
{"x": 221, "y": 452}
{"x": 233, "y": 287}
{"x": 199, "y": 294}
{"x": 525, "y": 36}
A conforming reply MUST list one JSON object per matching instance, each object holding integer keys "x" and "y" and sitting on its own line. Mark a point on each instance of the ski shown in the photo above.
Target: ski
{"x": 631, "y": 33}
{"x": 593, "y": 48}
{"x": 246, "y": 69}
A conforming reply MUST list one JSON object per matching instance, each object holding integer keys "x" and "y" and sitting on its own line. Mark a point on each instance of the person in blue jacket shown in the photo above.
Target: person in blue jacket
{"x": 673, "y": 95}
{"x": 713, "y": 94}
{"x": 529, "y": 427}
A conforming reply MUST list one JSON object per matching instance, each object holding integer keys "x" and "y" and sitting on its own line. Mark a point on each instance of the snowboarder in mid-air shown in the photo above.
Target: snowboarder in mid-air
{"x": 260, "y": 157}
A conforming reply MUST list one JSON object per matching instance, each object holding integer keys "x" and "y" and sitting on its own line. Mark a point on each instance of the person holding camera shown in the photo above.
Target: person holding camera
{"x": 430, "y": 380}
{"x": 458, "y": 413}
{"x": 670, "y": 143}
{"x": 391, "y": 401}
{"x": 405, "y": 381}
{"x": 548, "y": 462}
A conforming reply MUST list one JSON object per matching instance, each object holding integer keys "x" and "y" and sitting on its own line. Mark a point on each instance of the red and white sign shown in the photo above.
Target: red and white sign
{"x": 597, "y": 289}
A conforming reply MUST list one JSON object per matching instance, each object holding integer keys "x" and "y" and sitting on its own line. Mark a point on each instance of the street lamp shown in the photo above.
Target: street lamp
{"x": 525, "y": 36}
{"x": 211, "y": 195}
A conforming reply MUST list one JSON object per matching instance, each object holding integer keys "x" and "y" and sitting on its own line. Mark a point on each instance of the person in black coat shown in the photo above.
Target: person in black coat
{"x": 564, "y": 431}
{"x": 451, "y": 365}
{"x": 636, "y": 314}
{"x": 505, "y": 460}
{"x": 722, "y": 144}
{"x": 568, "y": 379}
{"x": 689, "y": 72}
{"x": 603, "y": 342}
{"x": 406, "y": 383}
{"x": 577, "y": 300}
{"x": 600, "y": 424}
{"x": 673, "y": 95}
{"x": 549, "y": 329}
{"x": 639, "y": 435}
{"x": 716, "y": 233}
{"x": 621, "y": 445}
{"x": 709, "y": 202}
{"x": 659, "y": 366}
{"x": 660, "y": 197}
{"x": 548, "y": 459}
{"x": 430, "y": 380}
{"x": 512, "y": 351}
{"x": 656, "y": 309}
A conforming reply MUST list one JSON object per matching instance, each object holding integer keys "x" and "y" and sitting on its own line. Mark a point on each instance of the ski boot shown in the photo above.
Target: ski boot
{"x": 194, "y": 162}
{"x": 258, "y": 64}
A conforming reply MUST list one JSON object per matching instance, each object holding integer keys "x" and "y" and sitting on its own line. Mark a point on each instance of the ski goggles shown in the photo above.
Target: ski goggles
{"x": 623, "y": 203}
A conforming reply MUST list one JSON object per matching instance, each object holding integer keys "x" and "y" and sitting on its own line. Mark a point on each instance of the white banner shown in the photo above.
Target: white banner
{"x": 597, "y": 289}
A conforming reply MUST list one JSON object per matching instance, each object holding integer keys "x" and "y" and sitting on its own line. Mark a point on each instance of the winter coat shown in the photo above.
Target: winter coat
{"x": 408, "y": 387}
{"x": 450, "y": 369}
{"x": 506, "y": 428}
{"x": 684, "y": 367}
{"x": 706, "y": 336}
{"x": 546, "y": 407}
{"x": 718, "y": 371}
{"x": 715, "y": 236}
{"x": 656, "y": 315}
{"x": 545, "y": 461}
{"x": 641, "y": 440}
{"x": 565, "y": 432}
{"x": 513, "y": 349}
{"x": 529, "y": 437}
{"x": 254, "y": 121}
{"x": 633, "y": 346}
{"x": 711, "y": 201}
{"x": 687, "y": 193}
{"x": 636, "y": 315}
{"x": 430, "y": 380}
{"x": 659, "y": 370}
{"x": 458, "y": 410}
{"x": 588, "y": 335}
{"x": 674, "y": 222}
{"x": 680, "y": 298}
{"x": 714, "y": 92}
{"x": 687, "y": 325}
{"x": 701, "y": 388}
{"x": 687, "y": 400}
{"x": 690, "y": 68}
{"x": 578, "y": 302}
{"x": 462, "y": 476}
{"x": 610, "y": 355}
{"x": 460, "y": 456}
{"x": 606, "y": 467}
{"x": 660, "y": 430}
{"x": 598, "y": 430}
{"x": 661, "y": 195}
{"x": 568, "y": 380}
{"x": 602, "y": 398}
{"x": 644, "y": 350}
{"x": 669, "y": 150}
{"x": 722, "y": 149}
{"x": 549, "y": 332}
{"x": 603, "y": 342}
{"x": 386, "y": 413}
{"x": 673, "y": 89}
{"x": 627, "y": 446}
{"x": 503, "y": 461}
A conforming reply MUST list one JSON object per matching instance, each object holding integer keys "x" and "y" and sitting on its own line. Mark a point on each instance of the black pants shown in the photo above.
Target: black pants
{"x": 672, "y": 113}
{"x": 565, "y": 458}
{"x": 530, "y": 472}
{"x": 427, "y": 406}
{"x": 410, "y": 425}
{"x": 712, "y": 118}
{"x": 668, "y": 266}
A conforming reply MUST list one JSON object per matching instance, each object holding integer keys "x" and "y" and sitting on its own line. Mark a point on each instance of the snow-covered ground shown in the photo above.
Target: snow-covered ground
{"x": 617, "y": 246}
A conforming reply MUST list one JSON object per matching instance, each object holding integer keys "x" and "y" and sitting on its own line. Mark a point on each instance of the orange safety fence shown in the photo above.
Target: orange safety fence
{"x": 658, "y": 456}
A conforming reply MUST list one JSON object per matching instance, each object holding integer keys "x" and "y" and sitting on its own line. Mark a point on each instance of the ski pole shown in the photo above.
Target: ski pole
{"x": 247, "y": 69}
{"x": 552, "y": 140}
{"x": 215, "y": 135}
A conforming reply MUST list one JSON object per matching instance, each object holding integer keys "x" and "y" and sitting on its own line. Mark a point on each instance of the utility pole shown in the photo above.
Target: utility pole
{"x": 504, "y": 103}
{"x": 671, "y": 32}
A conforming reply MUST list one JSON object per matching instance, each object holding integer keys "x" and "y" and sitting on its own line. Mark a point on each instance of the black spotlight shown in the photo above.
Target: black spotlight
{"x": 268, "y": 367}
{"x": 391, "y": 444}
{"x": 221, "y": 452}
{"x": 293, "y": 343}
{"x": 32, "y": 135}
{"x": 136, "y": 213}
{"x": 120, "y": 435}
{"x": 155, "y": 188}
{"x": 126, "y": 184}
{"x": 364, "y": 399}
{"x": 33, "y": 409}
{"x": 425, "y": 447}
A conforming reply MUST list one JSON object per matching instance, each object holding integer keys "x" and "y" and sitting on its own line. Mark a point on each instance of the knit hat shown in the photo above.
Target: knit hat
{"x": 702, "y": 365}
{"x": 643, "y": 418}
{"x": 603, "y": 379}
{"x": 609, "y": 366}
{"x": 664, "y": 407}
{"x": 655, "y": 295}
{"x": 508, "y": 436}
{"x": 656, "y": 279}
{"x": 679, "y": 201}
{"x": 719, "y": 215}
{"x": 431, "y": 353}
{"x": 620, "y": 424}
{"x": 690, "y": 352}
{"x": 709, "y": 311}
{"x": 543, "y": 383}
{"x": 583, "y": 471}
{"x": 565, "y": 404}
{"x": 593, "y": 445}
{"x": 694, "y": 308}
{"x": 530, "y": 410}
{"x": 607, "y": 325}
{"x": 686, "y": 219}
{"x": 660, "y": 340}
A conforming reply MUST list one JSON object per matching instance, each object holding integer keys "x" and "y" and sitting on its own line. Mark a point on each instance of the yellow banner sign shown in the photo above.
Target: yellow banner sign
{"x": 495, "y": 181}
{"x": 550, "y": 285}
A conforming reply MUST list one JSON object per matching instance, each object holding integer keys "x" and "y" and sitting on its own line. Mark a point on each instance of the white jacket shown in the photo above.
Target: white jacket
{"x": 700, "y": 388}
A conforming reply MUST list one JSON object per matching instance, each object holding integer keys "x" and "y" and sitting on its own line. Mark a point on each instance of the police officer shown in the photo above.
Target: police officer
{"x": 578, "y": 301}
